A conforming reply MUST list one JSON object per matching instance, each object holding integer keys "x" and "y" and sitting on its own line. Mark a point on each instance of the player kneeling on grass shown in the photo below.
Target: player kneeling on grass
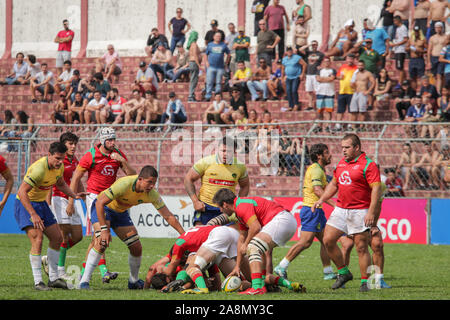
{"x": 110, "y": 210}
{"x": 263, "y": 225}
{"x": 33, "y": 215}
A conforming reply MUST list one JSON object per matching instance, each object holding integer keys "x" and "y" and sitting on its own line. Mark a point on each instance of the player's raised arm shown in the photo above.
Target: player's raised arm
{"x": 170, "y": 218}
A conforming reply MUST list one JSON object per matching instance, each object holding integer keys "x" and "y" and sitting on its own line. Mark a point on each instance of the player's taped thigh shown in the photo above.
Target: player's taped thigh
{"x": 131, "y": 240}
{"x": 256, "y": 249}
{"x": 202, "y": 263}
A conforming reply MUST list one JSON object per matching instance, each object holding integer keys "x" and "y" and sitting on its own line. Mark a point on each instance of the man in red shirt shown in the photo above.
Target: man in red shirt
{"x": 264, "y": 225}
{"x": 357, "y": 181}
{"x": 102, "y": 164}
{"x": 64, "y": 39}
{"x": 274, "y": 16}
{"x": 7, "y": 175}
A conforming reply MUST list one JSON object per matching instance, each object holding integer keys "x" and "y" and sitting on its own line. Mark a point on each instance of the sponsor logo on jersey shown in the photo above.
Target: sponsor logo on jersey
{"x": 222, "y": 182}
{"x": 344, "y": 178}
{"x": 108, "y": 170}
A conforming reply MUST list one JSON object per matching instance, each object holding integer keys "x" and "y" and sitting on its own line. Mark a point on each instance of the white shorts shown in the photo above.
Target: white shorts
{"x": 349, "y": 221}
{"x": 59, "y": 205}
{"x": 222, "y": 241}
{"x": 311, "y": 83}
{"x": 358, "y": 103}
{"x": 61, "y": 57}
{"x": 281, "y": 228}
{"x": 89, "y": 199}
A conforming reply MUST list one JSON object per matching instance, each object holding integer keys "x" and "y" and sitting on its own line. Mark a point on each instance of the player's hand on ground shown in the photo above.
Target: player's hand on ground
{"x": 37, "y": 222}
{"x": 199, "y": 206}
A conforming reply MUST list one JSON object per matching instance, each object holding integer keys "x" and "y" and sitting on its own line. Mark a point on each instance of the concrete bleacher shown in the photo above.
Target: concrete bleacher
{"x": 171, "y": 176}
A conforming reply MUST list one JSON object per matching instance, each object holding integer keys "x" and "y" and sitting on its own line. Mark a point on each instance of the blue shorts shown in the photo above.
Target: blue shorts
{"x": 344, "y": 102}
{"x": 312, "y": 221}
{"x": 209, "y": 213}
{"x": 42, "y": 209}
{"x": 324, "y": 103}
{"x": 117, "y": 219}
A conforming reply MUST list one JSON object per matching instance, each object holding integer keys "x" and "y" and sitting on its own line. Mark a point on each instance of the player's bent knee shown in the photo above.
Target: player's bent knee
{"x": 200, "y": 262}
{"x": 256, "y": 249}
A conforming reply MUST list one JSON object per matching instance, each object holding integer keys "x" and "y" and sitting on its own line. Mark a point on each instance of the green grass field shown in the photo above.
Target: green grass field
{"x": 416, "y": 272}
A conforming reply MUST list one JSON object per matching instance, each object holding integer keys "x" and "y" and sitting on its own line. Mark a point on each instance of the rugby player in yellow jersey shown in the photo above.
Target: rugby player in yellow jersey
{"x": 217, "y": 171}
{"x": 33, "y": 215}
{"x": 110, "y": 210}
{"x": 313, "y": 223}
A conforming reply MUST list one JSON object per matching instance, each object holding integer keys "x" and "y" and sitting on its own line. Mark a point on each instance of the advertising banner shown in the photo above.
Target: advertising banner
{"x": 440, "y": 221}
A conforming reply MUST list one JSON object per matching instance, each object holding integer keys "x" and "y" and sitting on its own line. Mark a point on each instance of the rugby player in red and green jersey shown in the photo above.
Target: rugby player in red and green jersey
{"x": 7, "y": 175}
{"x": 102, "y": 164}
{"x": 357, "y": 181}
{"x": 264, "y": 224}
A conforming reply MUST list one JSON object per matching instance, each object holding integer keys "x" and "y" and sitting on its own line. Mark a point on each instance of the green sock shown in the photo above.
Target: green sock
{"x": 200, "y": 282}
{"x": 82, "y": 268}
{"x": 284, "y": 283}
{"x": 363, "y": 280}
{"x": 343, "y": 270}
{"x": 183, "y": 276}
{"x": 257, "y": 283}
{"x": 62, "y": 255}
{"x": 102, "y": 266}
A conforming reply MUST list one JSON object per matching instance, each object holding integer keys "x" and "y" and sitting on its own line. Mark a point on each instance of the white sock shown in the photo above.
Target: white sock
{"x": 36, "y": 264}
{"x": 284, "y": 263}
{"x": 53, "y": 257}
{"x": 379, "y": 277}
{"x": 328, "y": 269}
{"x": 135, "y": 264}
{"x": 61, "y": 271}
{"x": 91, "y": 262}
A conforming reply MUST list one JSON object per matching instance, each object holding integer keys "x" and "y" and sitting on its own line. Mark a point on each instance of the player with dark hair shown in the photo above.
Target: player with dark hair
{"x": 263, "y": 225}
{"x": 357, "y": 181}
{"x": 313, "y": 224}
{"x": 33, "y": 215}
{"x": 7, "y": 175}
{"x": 110, "y": 210}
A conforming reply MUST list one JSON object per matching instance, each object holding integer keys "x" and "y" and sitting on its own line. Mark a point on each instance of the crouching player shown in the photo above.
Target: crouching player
{"x": 264, "y": 225}
{"x": 110, "y": 210}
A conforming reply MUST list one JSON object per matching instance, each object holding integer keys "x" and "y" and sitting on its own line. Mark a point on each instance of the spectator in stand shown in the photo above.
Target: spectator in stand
{"x": 416, "y": 47}
{"x": 241, "y": 46}
{"x": 345, "y": 75}
{"x": 110, "y": 64}
{"x": 293, "y": 70}
{"x": 145, "y": 79}
{"x": 26, "y": 129}
{"x": 209, "y": 37}
{"x": 275, "y": 84}
{"x": 229, "y": 41}
{"x": 398, "y": 46}
{"x": 266, "y": 40}
{"x": 77, "y": 108}
{"x": 382, "y": 89}
{"x": 445, "y": 167}
{"x": 325, "y": 92}
{"x": 414, "y": 114}
{"x": 60, "y": 111}
{"x": 161, "y": 61}
{"x": 259, "y": 81}
{"x": 401, "y": 8}
{"x": 115, "y": 106}
{"x": 153, "y": 40}
{"x": 19, "y": 71}
{"x": 428, "y": 131}
{"x": 302, "y": 10}
{"x": 74, "y": 85}
{"x": 178, "y": 26}
{"x": 314, "y": 58}
{"x": 33, "y": 68}
{"x": 300, "y": 34}
{"x": 9, "y": 119}
{"x": 423, "y": 169}
{"x": 241, "y": 77}
{"x": 437, "y": 42}
{"x": 216, "y": 51}
{"x": 295, "y": 157}
{"x": 345, "y": 40}
{"x": 64, "y": 39}
{"x": 380, "y": 40}
{"x": 421, "y": 12}
{"x": 274, "y": 16}
{"x": 87, "y": 86}
{"x": 445, "y": 59}
{"x": 43, "y": 83}
{"x": 102, "y": 85}
{"x": 408, "y": 159}
{"x": 175, "y": 112}
{"x": 96, "y": 110}
{"x": 403, "y": 99}
{"x": 132, "y": 106}
{"x": 181, "y": 69}
{"x": 437, "y": 14}
{"x": 258, "y": 8}
{"x": 237, "y": 102}
{"x": 156, "y": 109}
{"x": 284, "y": 150}
{"x": 428, "y": 89}
{"x": 62, "y": 83}
{"x": 394, "y": 185}
{"x": 443, "y": 106}
{"x": 195, "y": 60}
{"x": 388, "y": 18}
{"x": 214, "y": 112}
{"x": 370, "y": 57}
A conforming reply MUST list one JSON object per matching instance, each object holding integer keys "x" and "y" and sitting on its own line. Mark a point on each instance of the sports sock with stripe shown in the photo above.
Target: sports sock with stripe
{"x": 283, "y": 283}
{"x": 257, "y": 281}
{"x": 36, "y": 264}
{"x": 343, "y": 270}
{"x": 135, "y": 264}
{"x": 102, "y": 266}
{"x": 53, "y": 257}
{"x": 183, "y": 276}
{"x": 62, "y": 257}
{"x": 91, "y": 262}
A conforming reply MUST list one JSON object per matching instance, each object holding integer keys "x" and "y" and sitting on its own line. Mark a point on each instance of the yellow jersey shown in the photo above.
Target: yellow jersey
{"x": 42, "y": 179}
{"x": 314, "y": 176}
{"x": 216, "y": 175}
{"x": 242, "y": 74}
{"x": 123, "y": 195}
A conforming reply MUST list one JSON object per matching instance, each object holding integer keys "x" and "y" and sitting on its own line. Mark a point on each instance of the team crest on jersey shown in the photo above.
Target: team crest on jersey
{"x": 344, "y": 178}
{"x": 108, "y": 170}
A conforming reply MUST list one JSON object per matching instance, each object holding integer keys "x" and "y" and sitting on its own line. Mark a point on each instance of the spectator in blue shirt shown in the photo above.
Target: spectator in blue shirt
{"x": 414, "y": 114}
{"x": 444, "y": 57}
{"x": 293, "y": 69}
{"x": 215, "y": 52}
{"x": 380, "y": 41}
{"x": 175, "y": 111}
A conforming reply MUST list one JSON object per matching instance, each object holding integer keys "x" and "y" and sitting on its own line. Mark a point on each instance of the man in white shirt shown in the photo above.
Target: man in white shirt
{"x": 64, "y": 79}
{"x": 97, "y": 110}
{"x": 145, "y": 79}
{"x": 399, "y": 46}
{"x": 325, "y": 92}
{"x": 33, "y": 68}
{"x": 43, "y": 83}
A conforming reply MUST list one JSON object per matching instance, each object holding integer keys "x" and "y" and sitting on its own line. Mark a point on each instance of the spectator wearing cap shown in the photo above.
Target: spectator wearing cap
{"x": 416, "y": 47}
{"x": 62, "y": 83}
{"x": 145, "y": 79}
{"x": 293, "y": 70}
{"x": 178, "y": 26}
{"x": 195, "y": 60}
{"x": 274, "y": 15}
{"x": 237, "y": 104}
{"x": 371, "y": 58}
{"x": 175, "y": 111}
{"x": 402, "y": 101}
{"x": 110, "y": 64}
{"x": 153, "y": 39}
{"x": 344, "y": 41}
{"x": 209, "y": 37}
{"x": 437, "y": 42}
{"x": 258, "y": 8}
{"x": 241, "y": 45}
{"x": 380, "y": 40}
{"x": 161, "y": 61}
{"x": 218, "y": 55}
{"x": 74, "y": 84}
{"x": 444, "y": 58}
{"x": 266, "y": 40}
{"x": 437, "y": 14}
{"x": 181, "y": 68}
{"x": 398, "y": 46}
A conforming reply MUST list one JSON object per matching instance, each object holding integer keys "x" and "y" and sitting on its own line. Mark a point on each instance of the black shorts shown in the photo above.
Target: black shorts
{"x": 436, "y": 66}
{"x": 343, "y": 102}
{"x": 60, "y": 117}
{"x": 400, "y": 60}
{"x": 416, "y": 67}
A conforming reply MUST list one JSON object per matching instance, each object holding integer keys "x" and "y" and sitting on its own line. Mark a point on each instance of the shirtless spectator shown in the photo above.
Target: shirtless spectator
{"x": 64, "y": 80}
{"x": 363, "y": 82}
{"x": 401, "y": 8}
{"x": 398, "y": 46}
{"x": 145, "y": 79}
{"x": 195, "y": 61}
{"x": 424, "y": 168}
{"x": 60, "y": 111}
{"x": 43, "y": 83}
{"x": 77, "y": 108}
{"x": 155, "y": 107}
{"x": 344, "y": 42}
{"x": 133, "y": 106}
{"x": 161, "y": 61}
{"x": 445, "y": 59}
{"x": 445, "y": 166}
{"x": 110, "y": 64}
{"x": 416, "y": 47}
{"x": 153, "y": 39}
{"x": 115, "y": 105}
{"x": 259, "y": 80}
{"x": 437, "y": 14}
{"x": 19, "y": 71}
{"x": 408, "y": 159}
{"x": 96, "y": 110}
{"x": 421, "y": 12}
{"x": 437, "y": 42}
{"x": 301, "y": 33}
{"x": 213, "y": 114}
